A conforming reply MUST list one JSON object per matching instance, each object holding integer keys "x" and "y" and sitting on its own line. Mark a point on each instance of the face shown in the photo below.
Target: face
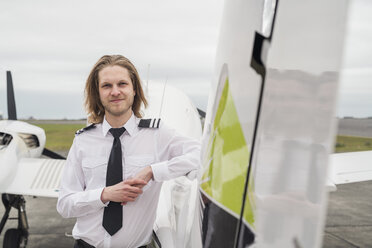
{"x": 116, "y": 91}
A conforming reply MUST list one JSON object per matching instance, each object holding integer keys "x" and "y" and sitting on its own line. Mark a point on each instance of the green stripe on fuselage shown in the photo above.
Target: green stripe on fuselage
{"x": 227, "y": 159}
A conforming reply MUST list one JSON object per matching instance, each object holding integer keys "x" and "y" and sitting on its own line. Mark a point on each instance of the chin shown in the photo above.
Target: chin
{"x": 119, "y": 113}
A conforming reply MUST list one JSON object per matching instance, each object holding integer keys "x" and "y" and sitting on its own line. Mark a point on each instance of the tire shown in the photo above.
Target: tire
{"x": 12, "y": 238}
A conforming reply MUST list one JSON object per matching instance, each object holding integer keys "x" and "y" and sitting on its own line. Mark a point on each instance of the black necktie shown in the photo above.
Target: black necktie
{"x": 113, "y": 213}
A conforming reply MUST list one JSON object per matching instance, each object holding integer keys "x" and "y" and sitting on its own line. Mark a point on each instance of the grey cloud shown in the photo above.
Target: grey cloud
{"x": 51, "y": 46}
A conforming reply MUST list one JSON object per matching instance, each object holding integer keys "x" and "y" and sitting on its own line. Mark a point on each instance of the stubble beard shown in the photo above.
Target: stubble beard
{"x": 117, "y": 113}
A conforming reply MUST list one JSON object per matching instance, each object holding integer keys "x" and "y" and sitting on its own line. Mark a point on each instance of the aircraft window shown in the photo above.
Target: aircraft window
{"x": 30, "y": 140}
{"x": 5, "y": 139}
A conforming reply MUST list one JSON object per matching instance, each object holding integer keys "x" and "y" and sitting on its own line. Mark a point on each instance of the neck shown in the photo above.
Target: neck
{"x": 118, "y": 121}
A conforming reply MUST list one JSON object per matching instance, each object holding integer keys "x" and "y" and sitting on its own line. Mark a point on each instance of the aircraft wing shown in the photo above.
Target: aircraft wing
{"x": 36, "y": 177}
{"x": 351, "y": 167}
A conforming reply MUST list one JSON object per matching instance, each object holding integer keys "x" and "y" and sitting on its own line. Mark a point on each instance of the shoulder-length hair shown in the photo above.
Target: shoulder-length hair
{"x": 93, "y": 103}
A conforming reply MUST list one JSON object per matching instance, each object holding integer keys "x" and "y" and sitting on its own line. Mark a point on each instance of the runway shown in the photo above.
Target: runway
{"x": 349, "y": 220}
{"x": 47, "y": 227}
{"x": 360, "y": 127}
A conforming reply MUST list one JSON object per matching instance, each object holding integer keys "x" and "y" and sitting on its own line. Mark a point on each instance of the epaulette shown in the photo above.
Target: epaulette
{"x": 149, "y": 123}
{"x": 85, "y": 129}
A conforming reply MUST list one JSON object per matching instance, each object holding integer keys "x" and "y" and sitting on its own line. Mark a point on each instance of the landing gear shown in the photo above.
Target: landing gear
{"x": 15, "y": 237}
{"x": 12, "y": 238}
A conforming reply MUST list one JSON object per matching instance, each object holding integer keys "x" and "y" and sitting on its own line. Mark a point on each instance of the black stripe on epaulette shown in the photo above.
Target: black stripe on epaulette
{"x": 85, "y": 129}
{"x": 158, "y": 124}
{"x": 149, "y": 123}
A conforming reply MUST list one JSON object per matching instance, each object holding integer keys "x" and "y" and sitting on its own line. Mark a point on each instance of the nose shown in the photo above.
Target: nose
{"x": 115, "y": 91}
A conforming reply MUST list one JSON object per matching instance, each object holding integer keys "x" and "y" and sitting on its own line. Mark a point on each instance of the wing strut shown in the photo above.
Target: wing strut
{"x": 51, "y": 154}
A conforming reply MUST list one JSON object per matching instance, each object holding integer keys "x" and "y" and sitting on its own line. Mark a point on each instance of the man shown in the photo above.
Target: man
{"x": 114, "y": 170}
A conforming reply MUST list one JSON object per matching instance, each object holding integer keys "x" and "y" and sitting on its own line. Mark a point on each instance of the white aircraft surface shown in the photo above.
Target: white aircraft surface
{"x": 270, "y": 125}
{"x": 268, "y": 133}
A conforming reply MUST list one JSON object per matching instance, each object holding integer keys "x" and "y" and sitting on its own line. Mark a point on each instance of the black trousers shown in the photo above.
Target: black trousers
{"x": 82, "y": 244}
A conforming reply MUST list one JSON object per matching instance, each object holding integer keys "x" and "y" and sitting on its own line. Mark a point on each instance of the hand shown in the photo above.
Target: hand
{"x": 145, "y": 174}
{"x": 125, "y": 191}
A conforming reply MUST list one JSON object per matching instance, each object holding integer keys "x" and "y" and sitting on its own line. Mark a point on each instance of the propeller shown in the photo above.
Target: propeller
{"x": 12, "y": 112}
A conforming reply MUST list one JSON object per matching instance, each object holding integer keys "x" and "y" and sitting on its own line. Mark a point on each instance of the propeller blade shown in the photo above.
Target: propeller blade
{"x": 51, "y": 154}
{"x": 12, "y": 112}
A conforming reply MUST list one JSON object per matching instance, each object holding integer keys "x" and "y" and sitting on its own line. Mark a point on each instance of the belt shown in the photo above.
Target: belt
{"x": 82, "y": 244}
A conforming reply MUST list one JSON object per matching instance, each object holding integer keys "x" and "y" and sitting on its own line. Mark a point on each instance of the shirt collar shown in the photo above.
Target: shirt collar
{"x": 130, "y": 125}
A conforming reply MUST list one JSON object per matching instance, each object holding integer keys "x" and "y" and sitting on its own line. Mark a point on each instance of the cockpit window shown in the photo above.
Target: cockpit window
{"x": 5, "y": 139}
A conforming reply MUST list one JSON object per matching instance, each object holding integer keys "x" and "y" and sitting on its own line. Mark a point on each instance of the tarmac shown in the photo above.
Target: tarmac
{"x": 348, "y": 224}
{"x": 349, "y": 218}
{"x": 47, "y": 227}
{"x": 361, "y": 127}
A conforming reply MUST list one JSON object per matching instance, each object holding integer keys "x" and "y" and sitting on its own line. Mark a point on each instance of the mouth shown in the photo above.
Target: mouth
{"x": 116, "y": 100}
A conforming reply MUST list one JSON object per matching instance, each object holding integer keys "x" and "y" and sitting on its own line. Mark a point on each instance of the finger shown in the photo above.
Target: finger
{"x": 135, "y": 189}
{"x": 139, "y": 186}
{"x": 129, "y": 199}
{"x": 134, "y": 181}
{"x": 131, "y": 194}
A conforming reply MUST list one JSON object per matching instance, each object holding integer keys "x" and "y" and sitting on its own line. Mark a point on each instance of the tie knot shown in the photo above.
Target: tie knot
{"x": 117, "y": 132}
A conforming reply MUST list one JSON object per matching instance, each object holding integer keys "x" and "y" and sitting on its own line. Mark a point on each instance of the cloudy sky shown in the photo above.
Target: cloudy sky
{"x": 356, "y": 84}
{"x": 50, "y": 47}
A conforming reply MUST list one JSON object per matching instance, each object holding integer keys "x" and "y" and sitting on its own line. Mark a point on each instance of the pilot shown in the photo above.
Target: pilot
{"x": 115, "y": 167}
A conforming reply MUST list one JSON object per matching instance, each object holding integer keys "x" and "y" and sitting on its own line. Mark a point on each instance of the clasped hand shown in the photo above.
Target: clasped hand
{"x": 128, "y": 190}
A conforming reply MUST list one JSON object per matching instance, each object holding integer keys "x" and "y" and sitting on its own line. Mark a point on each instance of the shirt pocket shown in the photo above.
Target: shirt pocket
{"x": 95, "y": 169}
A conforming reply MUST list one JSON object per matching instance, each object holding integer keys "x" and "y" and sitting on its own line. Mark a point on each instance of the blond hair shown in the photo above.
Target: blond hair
{"x": 93, "y": 103}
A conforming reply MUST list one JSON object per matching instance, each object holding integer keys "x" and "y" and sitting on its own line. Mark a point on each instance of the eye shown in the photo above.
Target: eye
{"x": 105, "y": 86}
{"x": 123, "y": 83}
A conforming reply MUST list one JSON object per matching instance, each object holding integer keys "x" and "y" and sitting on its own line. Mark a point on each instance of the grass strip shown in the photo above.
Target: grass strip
{"x": 59, "y": 137}
{"x": 352, "y": 144}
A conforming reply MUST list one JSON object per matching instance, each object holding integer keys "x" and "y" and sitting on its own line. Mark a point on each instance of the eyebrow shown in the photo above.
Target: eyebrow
{"x": 120, "y": 81}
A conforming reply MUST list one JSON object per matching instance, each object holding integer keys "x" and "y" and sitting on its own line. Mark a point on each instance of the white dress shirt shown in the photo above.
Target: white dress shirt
{"x": 84, "y": 177}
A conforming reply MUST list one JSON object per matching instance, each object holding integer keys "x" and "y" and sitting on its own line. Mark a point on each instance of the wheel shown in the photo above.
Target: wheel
{"x": 12, "y": 238}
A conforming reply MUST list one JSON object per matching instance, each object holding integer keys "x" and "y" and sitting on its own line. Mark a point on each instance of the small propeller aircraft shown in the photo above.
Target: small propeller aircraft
{"x": 267, "y": 138}
{"x": 23, "y": 172}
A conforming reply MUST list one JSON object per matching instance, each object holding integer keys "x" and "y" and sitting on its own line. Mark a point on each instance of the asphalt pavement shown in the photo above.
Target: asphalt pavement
{"x": 349, "y": 220}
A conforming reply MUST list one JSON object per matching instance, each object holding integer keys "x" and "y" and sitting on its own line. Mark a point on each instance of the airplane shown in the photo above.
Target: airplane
{"x": 23, "y": 171}
{"x": 270, "y": 125}
{"x": 268, "y": 133}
